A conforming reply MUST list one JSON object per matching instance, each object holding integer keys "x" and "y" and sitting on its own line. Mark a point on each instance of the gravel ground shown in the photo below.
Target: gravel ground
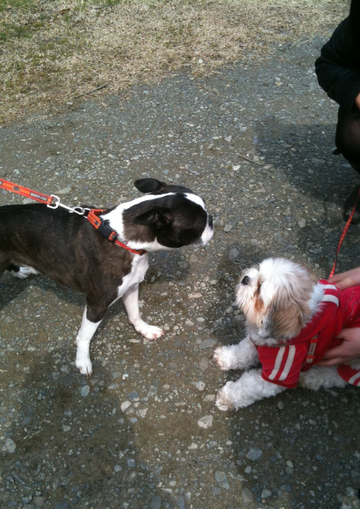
{"x": 255, "y": 141}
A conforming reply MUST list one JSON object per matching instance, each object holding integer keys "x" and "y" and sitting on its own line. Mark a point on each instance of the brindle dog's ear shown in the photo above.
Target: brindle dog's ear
{"x": 149, "y": 185}
{"x": 156, "y": 217}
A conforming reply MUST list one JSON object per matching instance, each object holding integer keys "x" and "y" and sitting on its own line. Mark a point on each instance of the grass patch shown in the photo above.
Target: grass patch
{"x": 54, "y": 50}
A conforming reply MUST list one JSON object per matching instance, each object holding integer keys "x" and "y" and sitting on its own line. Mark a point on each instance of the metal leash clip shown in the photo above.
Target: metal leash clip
{"x": 77, "y": 210}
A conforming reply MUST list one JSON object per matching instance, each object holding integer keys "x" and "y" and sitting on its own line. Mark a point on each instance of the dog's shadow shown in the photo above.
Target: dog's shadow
{"x": 53, "y": 400}
{"x": 163, "y": 267}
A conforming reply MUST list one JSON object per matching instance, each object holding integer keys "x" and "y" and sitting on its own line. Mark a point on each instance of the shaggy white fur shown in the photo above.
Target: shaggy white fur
{"x": 278, "y": 299}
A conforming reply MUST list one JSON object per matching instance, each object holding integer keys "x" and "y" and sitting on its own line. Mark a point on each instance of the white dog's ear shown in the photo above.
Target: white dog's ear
{"x": 281, "y": 320}
{"x": 287, "y": 317}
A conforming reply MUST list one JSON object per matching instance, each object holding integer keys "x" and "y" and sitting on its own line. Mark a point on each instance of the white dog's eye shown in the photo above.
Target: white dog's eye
{"x": 245, "y": 280}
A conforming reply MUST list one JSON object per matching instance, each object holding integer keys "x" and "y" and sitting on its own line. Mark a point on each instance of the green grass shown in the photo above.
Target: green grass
{"x": 52, "y": 51}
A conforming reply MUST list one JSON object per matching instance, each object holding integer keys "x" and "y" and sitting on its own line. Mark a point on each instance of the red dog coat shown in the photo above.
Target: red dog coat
{"x": 282, "y": 364}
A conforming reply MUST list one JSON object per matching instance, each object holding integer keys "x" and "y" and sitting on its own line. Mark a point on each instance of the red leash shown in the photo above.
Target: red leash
{"x": 24, "y": 191}
{"x": 348, "y": 222}
{"x": 92, "y": 215}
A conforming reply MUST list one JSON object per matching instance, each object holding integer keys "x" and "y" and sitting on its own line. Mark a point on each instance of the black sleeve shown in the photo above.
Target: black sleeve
{"x": 338, "y": 67}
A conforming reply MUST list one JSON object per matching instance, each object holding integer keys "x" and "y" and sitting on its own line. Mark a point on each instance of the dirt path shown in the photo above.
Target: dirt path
{"x": 255, "y": 141}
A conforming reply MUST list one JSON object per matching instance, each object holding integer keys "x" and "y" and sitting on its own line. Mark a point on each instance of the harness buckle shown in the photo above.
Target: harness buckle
{"x": 107, "y": 231}
{"x": 311, "y": 352}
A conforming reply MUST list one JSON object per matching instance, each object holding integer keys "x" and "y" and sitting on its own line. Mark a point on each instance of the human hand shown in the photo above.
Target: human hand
{"x": 357, "y": 101}
{"x": 346, "y": 279}
{"x": 348, "y": 350}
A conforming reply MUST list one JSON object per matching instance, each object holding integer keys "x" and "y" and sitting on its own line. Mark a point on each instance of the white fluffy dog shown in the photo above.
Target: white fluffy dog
{"x": 292, "y": 320}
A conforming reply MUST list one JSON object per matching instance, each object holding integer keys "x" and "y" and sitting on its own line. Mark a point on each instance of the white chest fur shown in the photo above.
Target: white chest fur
{"x": 139, "y": 267}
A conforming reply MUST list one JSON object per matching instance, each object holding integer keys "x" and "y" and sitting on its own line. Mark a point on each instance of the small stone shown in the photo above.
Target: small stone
{"x": 199, "y": 385}
{"x": 117, "y": 468}
{"x": 152, "y": 391}
{"x": 180, "y": 502}
{"x": 193, "y": 446}
{"x": 302, "y": 223}
{"x": 220, "y": 478}
{"x": 254, "y": 453}
{"x": 204, "y": 364}
{"x": 236, "y": 167}
{"x": 155, "y": 503}
{"x": 228, "y": 227}
{"x": 85, "y": 390}
{"x": 38, "y": 501}
{"x": 233, "y": 253}
{"x": 133, "y": 396}
{"x": 206, "y": 421}
{"x": 228, "y": 139}
{"x": 131, "y": 463}
{"x": 266, "y": 493}
{"x": 10, "y": 446}
{"x": 142, "y": 412}
{"x": 125, "y": 405}
{"x": 66, "y": 190}
{"x": 208, "y": 343}
{"x": 247, "y": 496}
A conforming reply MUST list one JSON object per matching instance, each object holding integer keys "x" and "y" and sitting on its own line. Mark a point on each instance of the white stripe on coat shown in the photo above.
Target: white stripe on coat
{"x": 277, "y": 365}
{"x": 289, "y": 362}
{"x": 331, "y": 298}
{"x": 354, "y": 378}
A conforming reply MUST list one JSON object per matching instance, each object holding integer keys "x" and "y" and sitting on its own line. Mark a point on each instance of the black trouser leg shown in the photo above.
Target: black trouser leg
{"x": 347, "y": 140}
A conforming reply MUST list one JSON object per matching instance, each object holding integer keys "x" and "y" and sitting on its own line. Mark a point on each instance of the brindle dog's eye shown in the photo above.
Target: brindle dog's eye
{"x": 245, "y": 280}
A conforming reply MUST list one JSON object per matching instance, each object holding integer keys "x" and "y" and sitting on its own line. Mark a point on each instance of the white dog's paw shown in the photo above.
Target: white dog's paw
{"x": 84, "y": 365}
{"x": 222, "y": 359}
{"x": 224, "y": 398}
{"x": 226, "y": 358}
{"x": 149, "y": 331}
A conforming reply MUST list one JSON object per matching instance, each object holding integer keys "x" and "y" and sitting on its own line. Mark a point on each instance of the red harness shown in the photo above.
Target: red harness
{"x": 107, "y": 232}
{"x": 91, "y": 215}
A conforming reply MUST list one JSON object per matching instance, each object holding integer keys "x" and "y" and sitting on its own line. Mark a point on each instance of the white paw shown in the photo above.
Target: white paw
{"x": 149, "y": 331}
{"x": 224, "y": 358}
{"x": 23, "y": 272}
{"x": 84, "y": 365}
{"x": 224, "y": 400}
